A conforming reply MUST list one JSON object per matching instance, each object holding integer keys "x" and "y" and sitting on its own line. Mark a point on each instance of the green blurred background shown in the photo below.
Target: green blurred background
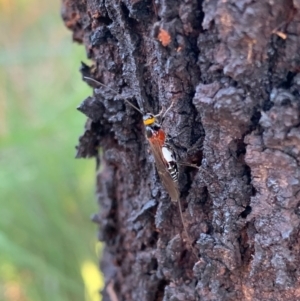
{"x": 48, "y": 248}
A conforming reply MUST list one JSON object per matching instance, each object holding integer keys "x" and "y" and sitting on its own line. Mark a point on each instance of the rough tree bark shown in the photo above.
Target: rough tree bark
{"x": 232, "y": 68}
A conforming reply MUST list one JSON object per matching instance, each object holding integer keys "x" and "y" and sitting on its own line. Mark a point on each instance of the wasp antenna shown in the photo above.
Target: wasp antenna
{"x": 167, "y": 110}
{"x": 136, "y": 108}
{"x": 99, "y": 83}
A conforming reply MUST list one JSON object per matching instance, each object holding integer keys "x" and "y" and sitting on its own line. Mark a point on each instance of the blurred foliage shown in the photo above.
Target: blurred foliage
{"x": 47, "y": 242}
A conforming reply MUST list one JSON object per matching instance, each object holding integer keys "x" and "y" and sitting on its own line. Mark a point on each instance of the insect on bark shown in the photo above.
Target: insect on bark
{"x": 164, "y": 155}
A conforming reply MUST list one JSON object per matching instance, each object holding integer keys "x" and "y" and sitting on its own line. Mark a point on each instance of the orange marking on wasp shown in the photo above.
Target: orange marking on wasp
{"x": 160, "y": 136}
{"x": 164, "y": 156}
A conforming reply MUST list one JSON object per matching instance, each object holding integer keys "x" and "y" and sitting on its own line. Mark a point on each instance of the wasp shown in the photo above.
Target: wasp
{"x": 164, "y": 154}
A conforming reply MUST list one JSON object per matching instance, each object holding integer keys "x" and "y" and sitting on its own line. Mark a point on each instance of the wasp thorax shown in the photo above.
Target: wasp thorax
{"x": 149, "y": 119}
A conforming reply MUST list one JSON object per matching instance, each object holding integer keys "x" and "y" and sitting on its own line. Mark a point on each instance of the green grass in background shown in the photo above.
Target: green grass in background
{"x": 47, "y": 243}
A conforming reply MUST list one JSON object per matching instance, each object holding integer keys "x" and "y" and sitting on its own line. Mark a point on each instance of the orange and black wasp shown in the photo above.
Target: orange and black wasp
{"x": 164, "y": 154}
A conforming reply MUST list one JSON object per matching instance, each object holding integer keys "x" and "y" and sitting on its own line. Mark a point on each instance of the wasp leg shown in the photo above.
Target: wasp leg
{"x": 189, "y": 165}
{"x": 200, "y": 168}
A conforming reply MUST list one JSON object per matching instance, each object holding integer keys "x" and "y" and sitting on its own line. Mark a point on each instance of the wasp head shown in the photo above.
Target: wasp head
{"x": 149, "y": 119}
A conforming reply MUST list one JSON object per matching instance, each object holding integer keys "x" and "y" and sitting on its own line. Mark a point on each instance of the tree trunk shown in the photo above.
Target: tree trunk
{"x": 231, "y": 70}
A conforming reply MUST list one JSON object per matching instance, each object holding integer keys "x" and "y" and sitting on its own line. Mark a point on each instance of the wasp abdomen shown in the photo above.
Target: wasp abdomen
{"x": 169, "y": 156}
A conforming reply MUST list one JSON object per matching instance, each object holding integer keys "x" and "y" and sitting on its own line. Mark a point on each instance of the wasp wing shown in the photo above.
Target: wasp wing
{"x": 168, "y": 183}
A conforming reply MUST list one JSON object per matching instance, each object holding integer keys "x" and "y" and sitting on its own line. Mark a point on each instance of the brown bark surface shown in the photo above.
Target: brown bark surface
{"x": 232, "y": 68}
